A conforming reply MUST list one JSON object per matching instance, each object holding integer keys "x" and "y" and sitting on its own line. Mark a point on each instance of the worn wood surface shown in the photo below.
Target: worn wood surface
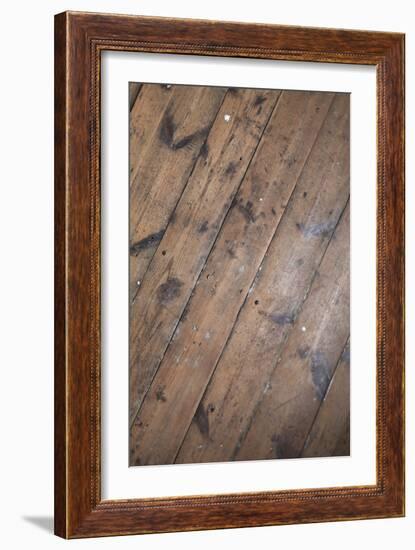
{"x": 273, "y": 310}
{"x": 192, "y": 231}
{"x": 133, "y": 91}
{"x": 290, "y": 400}
{"x": 170, "y": 124}
{"x": 232, "y": 271}
{"x": 330, "y": 432}
{"x": 80, "y": 38}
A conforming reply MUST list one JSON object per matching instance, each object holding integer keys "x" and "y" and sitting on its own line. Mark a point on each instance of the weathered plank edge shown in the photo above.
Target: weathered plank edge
{"x": 79, "y": 40}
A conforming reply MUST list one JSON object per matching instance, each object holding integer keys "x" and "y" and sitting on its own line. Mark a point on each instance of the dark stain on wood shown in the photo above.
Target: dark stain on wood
{"x": 167, "y": 132}
{"x": 259, "y": 100}
{"x": 281, "y": 447}
{"x": 169, "y": 290}
{"x": 231, "y": 169}
{"x": 283, "y": 318}
{"x": 320, "y": 373}
{"x": 204, "y": 151}
{"x": 247, "y": 211}
{"x": 291, "y": 160}
{"x": 148, "y": 242}
{"x": 258, "y": 103}
{"x": 231, "y": 252}
{"x": 160, "y": 395}
{"x": 317, "y": 230}
{"x": 204, "y": 227}
{"x": 185, "y": 141}
{"x": 202, "y": 420}
{"x": 303, "y": 351}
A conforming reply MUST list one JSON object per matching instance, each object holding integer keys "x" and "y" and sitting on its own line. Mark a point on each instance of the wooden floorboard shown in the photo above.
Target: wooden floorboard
{"x": 133, "y": 91}
{"x": 330, "y": 432}
{"x": 223, "y": 271}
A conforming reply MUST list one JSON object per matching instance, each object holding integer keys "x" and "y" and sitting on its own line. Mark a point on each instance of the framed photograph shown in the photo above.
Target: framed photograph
{"x": 229, "y": 280}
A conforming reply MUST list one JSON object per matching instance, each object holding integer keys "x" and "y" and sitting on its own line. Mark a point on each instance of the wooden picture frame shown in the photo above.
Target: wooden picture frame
{"x": 79, "y": 40}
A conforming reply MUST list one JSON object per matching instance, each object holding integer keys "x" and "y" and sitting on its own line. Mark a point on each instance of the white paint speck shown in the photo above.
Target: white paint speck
{"x": 207, "y": 335}
{"x": 227, "y": 118}
{"x": 138, "y": 283}
{"x": 303, "y": 329}
{"x": 261, "y": 199}
{"x": 168, "y": 86}
{"x": 194, "y": 327}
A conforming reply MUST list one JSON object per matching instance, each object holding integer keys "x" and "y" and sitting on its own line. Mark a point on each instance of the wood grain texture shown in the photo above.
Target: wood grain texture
{"x": 80, "y": 38}
{"x": 169, "y": 123}
{"x": 290, "y": 400}
{"x": 60, "y": 321}
{"x": 273, "y": 308}
{"x": 244, "y": 300}
{"x": 330, "y": 431}
{"x": 133, "y": 91}
{"x": 198, "y": 217}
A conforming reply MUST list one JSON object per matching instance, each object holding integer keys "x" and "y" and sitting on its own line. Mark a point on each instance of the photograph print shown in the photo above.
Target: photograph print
{"x": 239, "y": 274}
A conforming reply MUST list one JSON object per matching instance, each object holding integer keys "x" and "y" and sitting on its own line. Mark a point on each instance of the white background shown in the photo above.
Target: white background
{"x": 26, "y": 122}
